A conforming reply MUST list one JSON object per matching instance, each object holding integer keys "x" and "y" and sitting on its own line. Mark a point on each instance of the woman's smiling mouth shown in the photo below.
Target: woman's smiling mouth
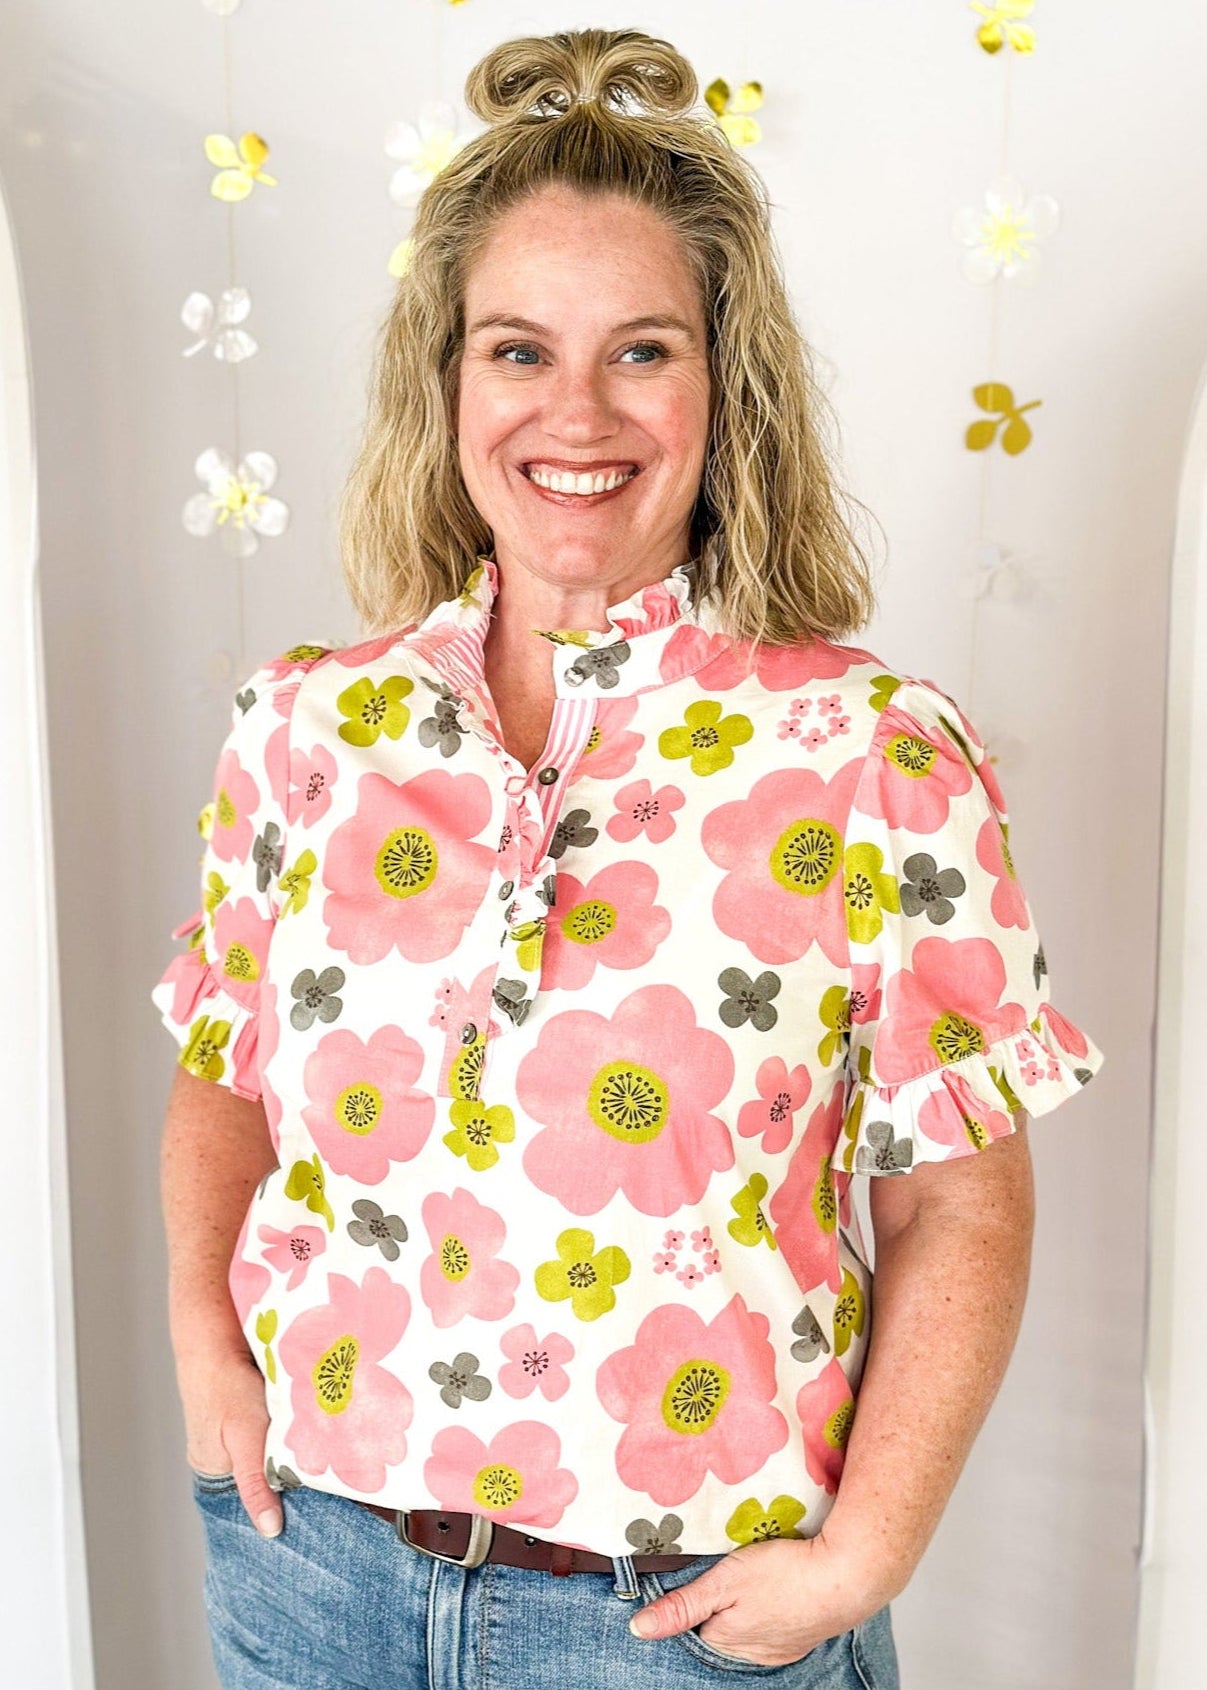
{"x": 581, "y": 485}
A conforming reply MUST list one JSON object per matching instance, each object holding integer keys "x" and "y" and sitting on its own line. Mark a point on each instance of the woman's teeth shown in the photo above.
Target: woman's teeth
{"x": 566, "y": 481}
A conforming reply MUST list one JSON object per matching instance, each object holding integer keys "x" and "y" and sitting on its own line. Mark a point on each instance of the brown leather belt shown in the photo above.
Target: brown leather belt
{"x": 469, "y": 1539}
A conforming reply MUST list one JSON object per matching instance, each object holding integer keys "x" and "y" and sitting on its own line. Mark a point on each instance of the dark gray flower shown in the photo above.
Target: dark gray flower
{"x": 1039, "y": 966}
{"x": 442, "y": 727}
{"x": 547, "y": 890}
{"x": 266, "y": 853}
{"x": 930, "y": 888}
{"x": 245, "y": 699}
{"x": 574, "y": 831}
{"x": 602, "y": 665}
{"x": 886, "y": 1155}
{"x": 372, "y": 1227}
{"x": 316, "y": 997}
{"x": 511, "y": 996}
{"x": 460, "y": 1378}
{"x": 812, "y": 1340}
{"x": 280, "y": 1478}
{"x": 660, "y": 1539}
{"x": 1083, "y": 1076}
{"x": 749, "y": 1000}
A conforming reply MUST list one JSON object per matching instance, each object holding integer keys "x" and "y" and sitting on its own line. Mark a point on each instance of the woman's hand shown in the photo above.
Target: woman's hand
{"x": 226, "y": 1421}
{"x": 768, "y": 1603}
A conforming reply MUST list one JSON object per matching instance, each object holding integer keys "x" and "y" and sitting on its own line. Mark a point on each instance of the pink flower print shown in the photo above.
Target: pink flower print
{"x": 712, "y": 1261}
{"x": 1070, "y": 1039}
{"x": 283, "y": 697}
{"x": 364, "y": 1111}
{"x": 954, "y": 1115}
{"x": 533, "y": 1361}
{"x": 664, "y": 1261}
{"x": 268, "y": 1039}
{"x": 943, "y": 1007}
{"x": 689, "y": 1275}
{"x": 695, "y": 1399}
{"x": 1007, "y": 904}
{"x": 825, "y": 1408}
{"x": 721, "y": 663}
{"x": 702, "y": 1240}
{"x": 368, "y": 651}
{"x": 814, "y": 739}
{"x": 611, "y": 749}
{"x": 236, "y": 800}
{"x": 312, "y": 775}
{"x": 292, "y": 1252}
{"x": 783, "y": 849}
{"x": 404, "y": 872}
{"x": 789, "y": 728}
{"x": 241, "y": 936}
{"x": 627, "y": 1104}
{"x": 463, "y": 1274}
{"x": 1028, "y": 1065}
{"x": 839, "y": 724}
{"x": 246, "y": 1278}
{"x": 189, "y": 975}
{"x": 673, "y": 1240}
{"x": 610, "y": 921}
{"x": 865, "y": 992}
{"x": 800, "y": 707}
{"x": 917, "y": 772}
{"x": 639, "y": 809}
{"x": 349, "y": 1413}
{"x": 804, "y": 1204}
{"x": 781, "y": 1094}
{"x": 515, "y": 1478}
{"x": 276, "y": 765}
{"x": 830, "y": 705}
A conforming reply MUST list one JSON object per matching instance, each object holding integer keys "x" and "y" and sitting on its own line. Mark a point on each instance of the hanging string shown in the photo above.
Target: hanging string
{"x": 232, "y": 281}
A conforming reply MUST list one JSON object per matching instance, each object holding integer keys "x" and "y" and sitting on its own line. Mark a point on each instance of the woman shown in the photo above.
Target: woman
{"x": 566, "y": 946}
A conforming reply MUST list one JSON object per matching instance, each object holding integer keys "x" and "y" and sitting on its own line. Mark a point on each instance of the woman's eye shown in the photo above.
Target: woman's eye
{"x": 504, "y": 350}
{"x": 644, "y": 346}
{"x": 647, "y": 346}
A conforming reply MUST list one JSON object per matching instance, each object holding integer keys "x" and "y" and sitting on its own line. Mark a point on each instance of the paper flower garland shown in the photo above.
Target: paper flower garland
{"x": 234, "y": 501}
{"x": 1001, "y": 27}
{"x": 422, "y": 149}
{"x": 219, "y": 329}
{"x": 1002, "y": 237}
{"x": 400, "y": 258}
{"x": 998, "y": 399}
{"x": 222, "y": 8}
{"x": 732, "y": 108}
{"x": 241, "y": 165}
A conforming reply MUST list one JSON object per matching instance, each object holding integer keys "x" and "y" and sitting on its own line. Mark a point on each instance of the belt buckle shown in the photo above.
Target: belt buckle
{"x": 481, "y": 1536}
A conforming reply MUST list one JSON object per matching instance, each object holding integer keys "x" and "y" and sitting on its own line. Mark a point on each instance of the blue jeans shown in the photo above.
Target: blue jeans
{"x": 339, "y": 1601}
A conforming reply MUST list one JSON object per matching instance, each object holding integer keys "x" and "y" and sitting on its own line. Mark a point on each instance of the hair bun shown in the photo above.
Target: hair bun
{"x": 621, "y": 70}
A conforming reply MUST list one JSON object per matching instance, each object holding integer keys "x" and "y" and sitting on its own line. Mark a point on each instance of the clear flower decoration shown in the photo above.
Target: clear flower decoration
{"x": 235, "y": 501}
{"x": 222, "y": 8}
{"x": 997, "y": 573}
{"x": 219, "y": 328}
{"x": 1001, "y": 236}
{"x": 422, "y": 149}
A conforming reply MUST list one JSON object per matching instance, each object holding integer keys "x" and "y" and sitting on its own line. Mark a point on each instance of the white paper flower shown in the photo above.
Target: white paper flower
{"x": 998, "y": 573}
{"x": 218, "y": 328}
{"x": 422, "y": 149}
{"x": 222, "y": 8}
{"x": 234, "y": 501}
{"x": 1002, "y": 236}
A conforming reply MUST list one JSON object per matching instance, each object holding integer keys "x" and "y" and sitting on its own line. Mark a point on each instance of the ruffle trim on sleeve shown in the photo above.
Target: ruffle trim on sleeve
{"x": 217, "y": 1035}
{"x": 963, "y": 1106}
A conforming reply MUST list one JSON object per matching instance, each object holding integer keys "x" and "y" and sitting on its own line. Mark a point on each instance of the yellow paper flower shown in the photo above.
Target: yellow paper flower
{"x": 998, "y": 399}
{"x": 236, "y": 501}
{"x": 400, "y": 258}
{"x": 240, "y": 165}
{"x": 1002, "y": 236}
{"x": 732, "y": 109}
{"x": 1001, "y": 27}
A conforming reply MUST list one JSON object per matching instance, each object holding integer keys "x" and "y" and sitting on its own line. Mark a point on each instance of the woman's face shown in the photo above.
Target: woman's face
{"x": 585, "y": 352}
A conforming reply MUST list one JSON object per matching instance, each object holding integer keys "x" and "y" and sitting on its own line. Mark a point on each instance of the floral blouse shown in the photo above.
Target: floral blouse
{"x": 568, "y": 1070}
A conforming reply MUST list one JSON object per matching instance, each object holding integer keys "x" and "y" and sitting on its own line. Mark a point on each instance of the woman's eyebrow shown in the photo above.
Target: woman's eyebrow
{"x": 504, "y": 320}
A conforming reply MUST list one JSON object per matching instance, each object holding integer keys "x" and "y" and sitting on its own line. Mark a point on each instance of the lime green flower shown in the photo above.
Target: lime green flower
{"x": 849, "y": 1312}
{"x": 307, "y": 1180}
{"x": 202, "y": 1053}
{"x": 465, "y": 1070}
{"x": 374, "y": 710}
{"x": 529, "y": 939}
{"x": 834, "y": 1012}
{"x": 883, "y": 688}
{"x": 751, "y": 1226}
{"x": 583, "y": 1274}
{"x": 295, "y": 883}
{"x": 708, "y": 739}
{"x": 266, "y": 1331}
{"x": 478, "y": 1130}
{"x": 750, "y": 1522}
{"x": 867, "y": 892}
{"x": 215, "y": 890}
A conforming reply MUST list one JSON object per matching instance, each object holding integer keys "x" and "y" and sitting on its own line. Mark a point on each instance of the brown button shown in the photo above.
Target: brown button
{"x": 547, "y": 776}
{"x": 468, "y": 1033}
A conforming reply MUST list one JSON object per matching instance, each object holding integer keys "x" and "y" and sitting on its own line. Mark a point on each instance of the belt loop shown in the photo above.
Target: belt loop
{"x": 561, "y": 1559}
{"x": 626, "y": 1578}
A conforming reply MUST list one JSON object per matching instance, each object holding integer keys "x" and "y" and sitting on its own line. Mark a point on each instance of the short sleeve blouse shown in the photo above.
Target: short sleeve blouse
{"x": 568, "y": 1069}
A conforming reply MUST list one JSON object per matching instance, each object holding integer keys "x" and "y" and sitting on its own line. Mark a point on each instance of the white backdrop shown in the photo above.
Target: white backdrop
{"x": 876, "y": 130}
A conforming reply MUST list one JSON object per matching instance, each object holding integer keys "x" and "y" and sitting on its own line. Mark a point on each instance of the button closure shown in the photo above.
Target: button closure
{"x": 547, "y": 776}
{"x": 507, "y": 888}
{"x": 468, "y": 1033}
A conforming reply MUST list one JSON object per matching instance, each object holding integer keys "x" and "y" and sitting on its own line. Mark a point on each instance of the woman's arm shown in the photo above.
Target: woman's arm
{"x": 953, "y": 1256}
{"x": 216, "y": 1149}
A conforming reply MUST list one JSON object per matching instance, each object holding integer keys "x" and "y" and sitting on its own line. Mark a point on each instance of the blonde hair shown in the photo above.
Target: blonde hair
{"x": 607, "y": 111}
